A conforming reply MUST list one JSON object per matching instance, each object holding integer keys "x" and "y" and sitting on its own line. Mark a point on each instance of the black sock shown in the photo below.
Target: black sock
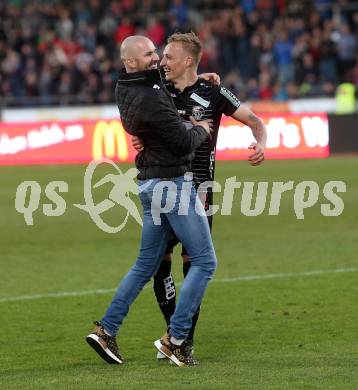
{"x": 186, "y": 266}
{"x": 164, "y": 289}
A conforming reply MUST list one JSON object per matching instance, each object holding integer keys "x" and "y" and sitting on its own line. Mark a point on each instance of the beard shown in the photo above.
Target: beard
{"x": 152, "y": 65}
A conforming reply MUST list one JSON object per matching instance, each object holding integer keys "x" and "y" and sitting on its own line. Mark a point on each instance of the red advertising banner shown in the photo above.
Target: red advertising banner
{"x": 288, "y": 136}
{"x": 59, "y": 142}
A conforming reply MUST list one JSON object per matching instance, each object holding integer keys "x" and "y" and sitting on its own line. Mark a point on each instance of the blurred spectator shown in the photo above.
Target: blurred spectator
{"x": 179, "y": 11}
{"x": 209, "y": 58}
{"x": 61, "y": 52}
{"x": 124, "y": 30}
{"x": 265, "y": 89}
{"x": 233, "y": 82}
{"x": 346, "y": 48}
{"x": 279, "y": 93}
{"x": 327, "y": 66}
{"x": 254, "y": 55}
{"x": 304, "y": 67}
{"x": 324, "y": 7}
{"x": 253, "y": 92}
{"x": 283, "y": 57}
{"x": 155, "y": 31}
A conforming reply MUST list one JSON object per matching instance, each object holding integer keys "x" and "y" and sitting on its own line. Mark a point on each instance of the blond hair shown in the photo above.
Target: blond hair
{"x": 191, "y": 43}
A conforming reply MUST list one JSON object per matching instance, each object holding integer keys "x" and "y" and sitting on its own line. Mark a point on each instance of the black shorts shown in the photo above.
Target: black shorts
{"x": 173, "y": 241}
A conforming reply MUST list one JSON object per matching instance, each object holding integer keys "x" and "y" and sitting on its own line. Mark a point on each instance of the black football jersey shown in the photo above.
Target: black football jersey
{"x": 204, "y": 100}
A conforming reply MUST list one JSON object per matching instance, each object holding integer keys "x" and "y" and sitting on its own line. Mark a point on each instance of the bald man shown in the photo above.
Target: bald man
{"x": 148, "y": 111}
{"x": 138, "y": 53}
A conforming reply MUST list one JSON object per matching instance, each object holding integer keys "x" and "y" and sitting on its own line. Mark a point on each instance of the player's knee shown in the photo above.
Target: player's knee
{"x": 144, "y": 270}
{"x": 212, "y": 263}
{"x": 207, "y": 262}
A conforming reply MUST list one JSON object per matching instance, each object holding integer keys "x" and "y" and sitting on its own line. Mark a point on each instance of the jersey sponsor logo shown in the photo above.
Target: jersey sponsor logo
{"x": 181, "y": 112}
{"x": 156, "y": 86}
{"x": 169, "y": 287}
{"x": 230, "y": 96}
{"x": 199, "y": 100}
{"x": 173, "y": 95}
{"x": 198, "y": 112}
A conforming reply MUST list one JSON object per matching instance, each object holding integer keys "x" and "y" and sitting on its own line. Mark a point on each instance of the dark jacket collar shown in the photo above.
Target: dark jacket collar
{"x": 143, "y": 77}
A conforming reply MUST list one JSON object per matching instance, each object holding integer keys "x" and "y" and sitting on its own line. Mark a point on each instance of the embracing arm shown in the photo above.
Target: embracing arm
{"x": 164, "y": 120}
{"x": 214, "y": 78}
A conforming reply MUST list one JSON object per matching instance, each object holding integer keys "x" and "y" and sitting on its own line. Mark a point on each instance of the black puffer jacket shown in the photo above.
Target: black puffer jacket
{"x": 148, "y": 112}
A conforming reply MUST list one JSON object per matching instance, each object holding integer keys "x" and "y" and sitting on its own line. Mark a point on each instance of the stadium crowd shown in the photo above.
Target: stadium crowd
{"x": 62, "y": 52}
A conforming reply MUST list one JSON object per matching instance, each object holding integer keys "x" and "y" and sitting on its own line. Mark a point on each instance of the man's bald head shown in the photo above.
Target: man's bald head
{"x": 138, "y": 54}
{"x": 131, "y": 45}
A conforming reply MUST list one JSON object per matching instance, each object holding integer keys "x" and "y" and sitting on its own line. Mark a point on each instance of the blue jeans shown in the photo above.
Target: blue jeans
{"x": 193, "y": 232}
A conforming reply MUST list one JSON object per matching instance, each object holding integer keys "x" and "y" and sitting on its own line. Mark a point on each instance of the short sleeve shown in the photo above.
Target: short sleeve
{"x": 225, "y": 101}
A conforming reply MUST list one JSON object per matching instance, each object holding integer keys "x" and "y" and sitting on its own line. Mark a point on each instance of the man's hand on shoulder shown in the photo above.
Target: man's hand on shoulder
{"x": 213, "y": 78}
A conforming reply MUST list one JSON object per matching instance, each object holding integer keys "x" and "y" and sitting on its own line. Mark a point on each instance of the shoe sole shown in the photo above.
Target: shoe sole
{"x": 167, "y": 352}
{"x": 104, "y": 353}
{"x": 160, "y": 356}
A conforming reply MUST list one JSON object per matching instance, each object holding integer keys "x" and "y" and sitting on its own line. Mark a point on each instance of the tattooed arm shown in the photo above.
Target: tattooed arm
{"x": 248, "y": 118}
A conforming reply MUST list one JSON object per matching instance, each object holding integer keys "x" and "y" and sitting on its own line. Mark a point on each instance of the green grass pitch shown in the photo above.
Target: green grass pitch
{"x": 287, "y": 328}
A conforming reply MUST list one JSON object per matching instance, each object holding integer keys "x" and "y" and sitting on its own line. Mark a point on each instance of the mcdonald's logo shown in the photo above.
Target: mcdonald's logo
{"x": 109, "y": 140}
